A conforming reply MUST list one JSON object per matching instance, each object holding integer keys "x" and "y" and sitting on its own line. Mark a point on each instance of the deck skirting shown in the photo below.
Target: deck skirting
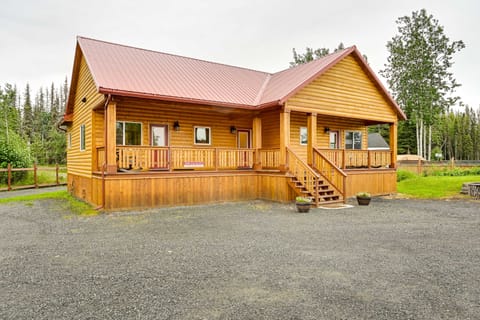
{"x": 125, "y": 191}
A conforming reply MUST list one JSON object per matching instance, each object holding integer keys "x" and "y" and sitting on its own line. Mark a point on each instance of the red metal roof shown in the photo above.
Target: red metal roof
{"x": 129, "y": 71}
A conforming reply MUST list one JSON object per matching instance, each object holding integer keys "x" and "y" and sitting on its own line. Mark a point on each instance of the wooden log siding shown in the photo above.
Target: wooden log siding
{"x": 270, "y": 129}
{"x": 150, "y": 112}
{"x": 344, "y": 91}
{"x": 81, "y": 162}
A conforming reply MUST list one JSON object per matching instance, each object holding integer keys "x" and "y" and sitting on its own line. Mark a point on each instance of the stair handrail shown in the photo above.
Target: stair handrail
{"x": 333, "y": 174}
{"x": 304, "y": 173}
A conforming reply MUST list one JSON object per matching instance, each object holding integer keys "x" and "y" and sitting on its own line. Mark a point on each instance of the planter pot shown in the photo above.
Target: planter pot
{"x": 363, "y": 201}
{"x": 303, "y": 206}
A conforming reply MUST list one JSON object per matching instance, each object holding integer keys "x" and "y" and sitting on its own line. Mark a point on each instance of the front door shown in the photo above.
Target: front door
{"x": 243, "y": 139}
{"x": 243, "y": 142}
{"x": 159, "y": 138}
{"x": 159, "y": 135}
{"x": 334, "y": 140}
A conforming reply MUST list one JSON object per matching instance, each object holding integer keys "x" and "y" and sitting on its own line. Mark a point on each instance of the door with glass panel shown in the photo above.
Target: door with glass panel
{"x": 243, "y": 142}
{"x": 159, "y": 141}
{"x": 333, "y": 139}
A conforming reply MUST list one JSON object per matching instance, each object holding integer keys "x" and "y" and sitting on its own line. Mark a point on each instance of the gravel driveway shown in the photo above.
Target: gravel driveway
{"x": 395, "y": 259}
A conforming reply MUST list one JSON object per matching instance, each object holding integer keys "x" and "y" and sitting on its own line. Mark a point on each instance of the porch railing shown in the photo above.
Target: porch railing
{"x": 188, "y": 158}
{"x": 333, "y": 174}
{"x": 358, "y": 159}
{"x": 269, "y": 158}
{"x": 142, "y": 157}
{"x": 304, "y": 173}
{"x": 179, "y": 158}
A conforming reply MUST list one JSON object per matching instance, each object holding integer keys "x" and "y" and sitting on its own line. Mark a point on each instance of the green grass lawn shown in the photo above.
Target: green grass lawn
{"x": 434, "y": 187}
{"x": 70, "y": 203}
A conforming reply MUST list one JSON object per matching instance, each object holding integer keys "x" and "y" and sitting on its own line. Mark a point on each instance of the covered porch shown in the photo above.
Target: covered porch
{"x": 168, "y": 159}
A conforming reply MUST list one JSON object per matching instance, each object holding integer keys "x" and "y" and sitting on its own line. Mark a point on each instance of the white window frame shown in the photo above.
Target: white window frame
{"x": 83, "y": 143}
{"x": 353, "y": 139}
{"x": 123, "y": 133}
{"x": 209, "y": 136}
{"x": 304, "y": 142}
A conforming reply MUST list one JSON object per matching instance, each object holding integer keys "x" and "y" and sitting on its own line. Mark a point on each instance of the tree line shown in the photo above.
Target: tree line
{"x": 29, "y": 130}
{"x": 418, "y": 72}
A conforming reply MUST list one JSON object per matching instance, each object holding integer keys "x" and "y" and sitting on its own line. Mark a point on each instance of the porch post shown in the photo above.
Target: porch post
{"x": 312, "y": 136}
{"x": 284, "y": 138}
{"x": 111, "y": 137}
{"x": 393, "y": 144}
{"x": 257, "y": 142}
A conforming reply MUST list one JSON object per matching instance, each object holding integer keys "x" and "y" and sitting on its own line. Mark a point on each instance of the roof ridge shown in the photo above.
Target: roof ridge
{"x": 259, "y": 96}
{"x": 173, "y": 55}
{"x": 314, "y": 60}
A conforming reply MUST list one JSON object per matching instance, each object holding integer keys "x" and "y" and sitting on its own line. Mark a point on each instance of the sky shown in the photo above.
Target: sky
{"x": 38, "y": 37}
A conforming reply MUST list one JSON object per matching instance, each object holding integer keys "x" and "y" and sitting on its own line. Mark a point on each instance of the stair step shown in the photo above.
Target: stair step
{"x": 332, "y": 198}
{"x": 326, "y": 192}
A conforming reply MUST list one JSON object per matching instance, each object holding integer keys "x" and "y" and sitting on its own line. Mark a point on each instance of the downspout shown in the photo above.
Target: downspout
{"x": 104, "y": 166}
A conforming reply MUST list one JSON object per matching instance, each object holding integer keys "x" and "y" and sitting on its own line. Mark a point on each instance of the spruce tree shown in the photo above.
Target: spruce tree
{"x": 27, "y": 119}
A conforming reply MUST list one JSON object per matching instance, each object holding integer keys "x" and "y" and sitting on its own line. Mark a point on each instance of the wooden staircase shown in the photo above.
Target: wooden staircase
{"x": 312, "y": 183}
{"x": 323, "y": 193}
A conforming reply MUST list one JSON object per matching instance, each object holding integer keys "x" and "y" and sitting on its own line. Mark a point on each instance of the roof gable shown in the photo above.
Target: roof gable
{"x": 128, "y": 71}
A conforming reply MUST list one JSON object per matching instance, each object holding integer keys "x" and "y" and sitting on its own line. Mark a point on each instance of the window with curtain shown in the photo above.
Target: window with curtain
{"x": 202, "y": 135}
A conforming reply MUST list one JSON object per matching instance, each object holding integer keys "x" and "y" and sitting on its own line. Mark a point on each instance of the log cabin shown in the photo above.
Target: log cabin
{"x": 150, "y": 129}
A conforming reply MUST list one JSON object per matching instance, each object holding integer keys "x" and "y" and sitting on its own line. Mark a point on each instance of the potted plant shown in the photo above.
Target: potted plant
{"x": 303, "y": 204}
{"x": 363, "y": 198}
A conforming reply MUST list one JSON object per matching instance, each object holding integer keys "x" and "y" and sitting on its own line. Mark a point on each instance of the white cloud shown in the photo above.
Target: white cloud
{"x": 38, "y": 37}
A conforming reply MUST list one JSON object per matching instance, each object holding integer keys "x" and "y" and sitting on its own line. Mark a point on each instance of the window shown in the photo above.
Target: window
{"x": 303, "y": 136}
{"x": 82, "y": 137}
{"x": 353, "y": 140}
{"x": 202, "y": 135}
{"x": 129, "y": 133}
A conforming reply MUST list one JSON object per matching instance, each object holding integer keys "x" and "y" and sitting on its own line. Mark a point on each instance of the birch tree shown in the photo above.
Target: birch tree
{"x": 418, "y": 73}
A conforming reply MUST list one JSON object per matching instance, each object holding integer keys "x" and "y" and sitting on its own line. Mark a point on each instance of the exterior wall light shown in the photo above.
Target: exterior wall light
{"x": 176, "y": 126}
{"x": 233, "y": 129}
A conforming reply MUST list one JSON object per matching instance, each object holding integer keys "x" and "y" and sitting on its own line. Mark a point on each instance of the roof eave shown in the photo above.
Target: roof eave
{"x": 133, "y": 94}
